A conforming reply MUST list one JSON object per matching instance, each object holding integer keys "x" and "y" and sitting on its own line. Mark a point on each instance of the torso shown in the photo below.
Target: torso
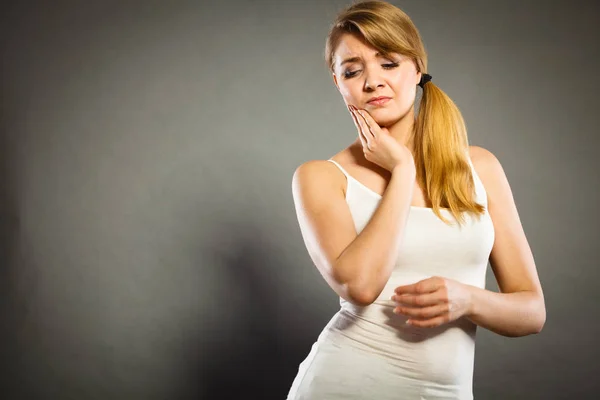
{"x": 377, "y": 178}
{"x": 373, "y": 342}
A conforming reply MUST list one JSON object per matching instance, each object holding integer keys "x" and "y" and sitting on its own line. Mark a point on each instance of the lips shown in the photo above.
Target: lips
{"x": 374, "y": 99}
{"x": 380, "y": 101}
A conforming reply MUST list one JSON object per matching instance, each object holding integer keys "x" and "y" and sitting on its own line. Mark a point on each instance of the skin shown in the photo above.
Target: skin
{"x": 519, "y": 308}
{"x": 393, "y": 75}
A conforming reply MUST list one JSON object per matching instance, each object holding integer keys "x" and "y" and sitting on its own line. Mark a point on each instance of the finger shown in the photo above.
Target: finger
{"x": 424, "y": 286}
{"x": 421, "y": 300}
{"x": 365, "y": 128}
{"x": 371, "y": 123}
{"x": 423, "y": 313}
{"x": 365, "y": 123}
{"x": 361, "y": 135}
{"x": 363, "y": 142}
{"x": 429, "y": 323}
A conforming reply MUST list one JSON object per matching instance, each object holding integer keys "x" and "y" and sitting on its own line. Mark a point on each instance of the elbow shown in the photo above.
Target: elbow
{"x": 357, "y": 287}
{"x": 361, "y": 297}
{"x": 541, "y": 319}
{"x": 353, "y": 290}
{"x": 362, "y": 301}
{"x": 530, "y": 323}
{"x": 540, "y": 316}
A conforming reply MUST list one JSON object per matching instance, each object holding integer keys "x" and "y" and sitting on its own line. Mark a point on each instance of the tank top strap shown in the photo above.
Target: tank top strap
{"x": 480, "y": 193}
{"x": 341, "y": 169}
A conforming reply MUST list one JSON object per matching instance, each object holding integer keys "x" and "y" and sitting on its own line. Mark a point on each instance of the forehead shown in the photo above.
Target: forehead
{"x": 350, "y": 45}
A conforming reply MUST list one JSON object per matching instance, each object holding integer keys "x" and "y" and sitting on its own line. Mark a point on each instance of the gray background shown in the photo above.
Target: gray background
{"x": 149, "y": 244}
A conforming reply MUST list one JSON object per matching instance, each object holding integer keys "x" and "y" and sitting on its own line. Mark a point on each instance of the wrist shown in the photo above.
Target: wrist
{"x": 404, "y": 169}
{"x": 471, "y": 295}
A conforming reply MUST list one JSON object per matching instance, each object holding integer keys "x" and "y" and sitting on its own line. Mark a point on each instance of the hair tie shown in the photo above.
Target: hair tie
{"x": 424, "y": 79}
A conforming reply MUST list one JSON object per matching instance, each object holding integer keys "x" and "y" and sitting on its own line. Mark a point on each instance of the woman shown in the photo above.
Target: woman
{"x": 401, "y": 225}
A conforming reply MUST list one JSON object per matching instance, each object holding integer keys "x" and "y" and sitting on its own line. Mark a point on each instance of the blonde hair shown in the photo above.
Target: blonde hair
{"x": 440, "y": 136}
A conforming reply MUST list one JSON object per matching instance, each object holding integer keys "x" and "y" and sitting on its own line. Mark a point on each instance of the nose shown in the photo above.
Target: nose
{"x": 373, "y": 79}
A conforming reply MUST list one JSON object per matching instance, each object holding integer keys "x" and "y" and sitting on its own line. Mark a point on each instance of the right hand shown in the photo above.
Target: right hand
{"x": 379, "y": 147}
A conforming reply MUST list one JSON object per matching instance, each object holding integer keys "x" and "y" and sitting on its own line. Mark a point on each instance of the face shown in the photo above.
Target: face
{"x": 361, "y": 74}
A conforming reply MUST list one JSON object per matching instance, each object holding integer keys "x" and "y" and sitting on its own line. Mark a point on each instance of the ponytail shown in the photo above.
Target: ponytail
{"x": 442, "y": 155}
{"x": 440, "y": 136}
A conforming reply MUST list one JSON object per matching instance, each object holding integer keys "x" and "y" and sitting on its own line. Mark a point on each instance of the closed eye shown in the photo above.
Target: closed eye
{"x": 350, "y": 74}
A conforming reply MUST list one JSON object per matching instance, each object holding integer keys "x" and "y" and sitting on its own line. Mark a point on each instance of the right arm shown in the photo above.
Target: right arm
{"x": 355, "y": 266}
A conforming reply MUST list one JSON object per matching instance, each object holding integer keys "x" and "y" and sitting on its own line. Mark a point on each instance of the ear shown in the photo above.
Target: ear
{"x": 419, "y": 74}
{"x": 335, "y": 81}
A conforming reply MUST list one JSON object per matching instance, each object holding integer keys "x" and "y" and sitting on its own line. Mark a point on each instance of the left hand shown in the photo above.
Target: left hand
{"x": 433, "y": 301}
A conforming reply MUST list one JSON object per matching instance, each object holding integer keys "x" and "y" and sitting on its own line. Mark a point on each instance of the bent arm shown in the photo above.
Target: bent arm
{"x": 366, "y": 264}
{"x": 355, "y": 266}
{"x": 519, "y": 308}
{"x": 507, "y": 314}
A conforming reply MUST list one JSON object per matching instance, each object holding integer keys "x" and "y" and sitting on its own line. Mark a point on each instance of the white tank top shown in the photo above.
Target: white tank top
{"x": 369, "y": 352}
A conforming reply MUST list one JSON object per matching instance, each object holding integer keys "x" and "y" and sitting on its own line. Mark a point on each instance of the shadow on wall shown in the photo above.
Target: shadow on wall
{"x": 9, "y": 234}
{"x": 242, "y": 358}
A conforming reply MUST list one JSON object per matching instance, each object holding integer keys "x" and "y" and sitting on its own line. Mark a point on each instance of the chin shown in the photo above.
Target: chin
{"x": 388, "y": 117}
{"x": 385, "y": 119}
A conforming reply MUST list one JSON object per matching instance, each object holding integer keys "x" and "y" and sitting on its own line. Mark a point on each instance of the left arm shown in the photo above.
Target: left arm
{"x": 507, "y": 314}
{"x": 519, "y": 309}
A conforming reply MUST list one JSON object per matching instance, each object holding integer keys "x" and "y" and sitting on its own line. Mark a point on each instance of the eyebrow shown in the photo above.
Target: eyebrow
{"x": 355, "y": 59}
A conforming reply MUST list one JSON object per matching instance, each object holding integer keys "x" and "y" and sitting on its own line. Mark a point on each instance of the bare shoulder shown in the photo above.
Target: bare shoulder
{"x": 487, "y": 166}
{"x": 317, "y": 176}
{"x": 481, "y": 156}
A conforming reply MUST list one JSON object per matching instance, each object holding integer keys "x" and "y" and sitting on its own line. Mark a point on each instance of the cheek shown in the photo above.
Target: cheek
{"x": 404, "y": 90}
{"x": 348, "y": 93}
